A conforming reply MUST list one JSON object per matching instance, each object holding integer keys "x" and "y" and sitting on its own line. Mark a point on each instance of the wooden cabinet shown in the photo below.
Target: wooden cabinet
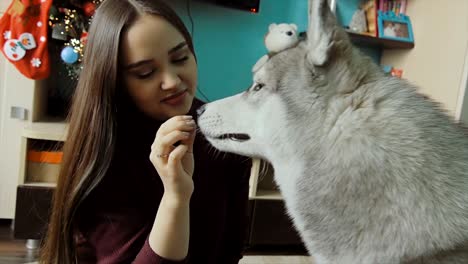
{"x": 266, "y": 216}
{"x": 262, "y": 186}
{"x": 17, "y": 103}
{"x": 267, "y": 210}
{"x": 28, "y": 99}
{"x": 46, "y": 139}
{"x": 32, "y": 211}
{"x": 16, "y": 92}
{"x": 37, "y": 177}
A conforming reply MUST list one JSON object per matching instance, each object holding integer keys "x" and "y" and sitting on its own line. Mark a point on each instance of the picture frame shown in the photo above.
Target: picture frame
{"x": 395, "y": 27}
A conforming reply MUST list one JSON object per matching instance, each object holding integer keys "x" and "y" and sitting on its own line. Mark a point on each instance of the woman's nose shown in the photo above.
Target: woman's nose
{"x": 171, "y": 80}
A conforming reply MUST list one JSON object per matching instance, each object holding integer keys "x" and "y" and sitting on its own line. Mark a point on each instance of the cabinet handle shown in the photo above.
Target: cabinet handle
{"x": 20, "y": 113}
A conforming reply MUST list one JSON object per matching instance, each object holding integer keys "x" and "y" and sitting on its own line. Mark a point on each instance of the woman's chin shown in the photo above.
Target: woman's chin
{"x": 183, "y": 108}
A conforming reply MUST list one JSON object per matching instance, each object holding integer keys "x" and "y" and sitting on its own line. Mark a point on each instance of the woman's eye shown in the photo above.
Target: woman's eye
{"x": 180, "y": 60}
{"x": 258, "y": 87}
{"x": 144, "y": 75}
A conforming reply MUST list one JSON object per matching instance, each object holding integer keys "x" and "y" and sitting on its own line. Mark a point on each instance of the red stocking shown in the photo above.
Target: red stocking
{"x": 23, "y": 37}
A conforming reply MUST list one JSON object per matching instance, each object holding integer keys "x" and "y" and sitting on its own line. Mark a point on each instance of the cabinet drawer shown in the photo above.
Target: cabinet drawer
{"x": 270, "y": 225}
{"x": 33, "y": 204}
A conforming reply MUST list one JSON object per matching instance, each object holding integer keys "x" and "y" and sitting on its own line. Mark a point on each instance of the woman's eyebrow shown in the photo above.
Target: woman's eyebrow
{"x": 178, "y": 47}
{"x": 136, "y": 64}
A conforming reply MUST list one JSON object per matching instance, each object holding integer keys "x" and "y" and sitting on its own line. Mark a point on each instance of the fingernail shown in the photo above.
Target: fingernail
{"x": 190, "y": 122}
{"x": 188, "y": 117}
{"x": 186, "y": 134}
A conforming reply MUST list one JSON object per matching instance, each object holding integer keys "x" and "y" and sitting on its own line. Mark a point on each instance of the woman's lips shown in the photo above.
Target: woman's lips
{"x": 175, "y": 99}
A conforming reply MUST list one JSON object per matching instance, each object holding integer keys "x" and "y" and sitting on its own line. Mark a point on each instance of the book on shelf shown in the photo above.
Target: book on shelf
{"x": 396, "y": 6}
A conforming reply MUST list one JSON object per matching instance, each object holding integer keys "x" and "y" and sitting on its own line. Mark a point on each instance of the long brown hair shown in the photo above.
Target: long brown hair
{"x": 92, "y": 121}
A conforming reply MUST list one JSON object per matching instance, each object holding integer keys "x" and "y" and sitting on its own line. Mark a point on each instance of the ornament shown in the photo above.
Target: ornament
{"x": 78, "y": 47}
{"x": 15, "y": 49}
{"x": 7, "y": 34}
{"x": 22, "y": 25}
{"x": 84, "y": 37}
{"x": 59, "y": 32}
{"x": 69, "y": 55}
{"x": 17, "y": 8}
{"x": 70, "y": 23}
{"x": 89, "y": 8}
{"x": 36, "y": 62}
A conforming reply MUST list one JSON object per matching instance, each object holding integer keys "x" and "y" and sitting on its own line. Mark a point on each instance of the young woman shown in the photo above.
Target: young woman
{"x": 138, "y": 185}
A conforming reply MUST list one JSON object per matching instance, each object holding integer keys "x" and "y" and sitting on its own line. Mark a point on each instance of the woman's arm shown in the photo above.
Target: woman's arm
{"x": 115, "y": 231}
{"x": 118, "y": 237}
{"x": 172, "y": 156}
{"x": 170, "y": 233}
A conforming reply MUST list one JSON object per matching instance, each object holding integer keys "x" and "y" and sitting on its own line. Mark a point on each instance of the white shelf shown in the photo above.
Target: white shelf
{"x": 267, "y": 195}
{"x": 55, "y": 131}
{"x": 255, "y": 190}
{"x": 40, "y": 184}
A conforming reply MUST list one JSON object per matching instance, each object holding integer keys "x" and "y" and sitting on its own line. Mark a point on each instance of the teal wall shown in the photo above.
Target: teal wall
{"x": 344, "y": 12}
{"x": 228, "y": 42}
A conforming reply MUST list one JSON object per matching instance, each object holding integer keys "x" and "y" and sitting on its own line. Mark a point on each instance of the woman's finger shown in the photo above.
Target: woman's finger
{"x": 177, "y": 154}
{"x": 189, "y": 141}
{"x": 176, "y": 123}
{"x": 184, "y": 123}
{"x": 164, "y": 146}
{"x": 159, "y": 158}
{"x": 168, "y": 141}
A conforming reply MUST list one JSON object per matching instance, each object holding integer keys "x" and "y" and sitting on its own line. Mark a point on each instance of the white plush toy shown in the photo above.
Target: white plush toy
{"x": 279, "y": 37}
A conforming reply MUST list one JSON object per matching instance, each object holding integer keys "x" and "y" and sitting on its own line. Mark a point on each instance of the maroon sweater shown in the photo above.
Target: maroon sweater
{"x": 115, "y": 220}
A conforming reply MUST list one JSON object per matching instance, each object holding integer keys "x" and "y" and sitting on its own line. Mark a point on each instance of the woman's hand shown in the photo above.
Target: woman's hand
{"x": 175, "y": 163}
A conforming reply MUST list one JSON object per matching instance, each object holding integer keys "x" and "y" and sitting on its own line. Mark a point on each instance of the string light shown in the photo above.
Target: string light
{"x": 71, "y": 26}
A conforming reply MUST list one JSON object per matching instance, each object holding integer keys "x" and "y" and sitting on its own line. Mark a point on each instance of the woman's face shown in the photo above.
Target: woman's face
{"x": 158, "y": 67}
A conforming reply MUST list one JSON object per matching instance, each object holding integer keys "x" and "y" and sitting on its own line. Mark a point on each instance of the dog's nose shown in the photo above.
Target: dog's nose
{"x": 201, "y": 110}
{"x": 289, "y": 33}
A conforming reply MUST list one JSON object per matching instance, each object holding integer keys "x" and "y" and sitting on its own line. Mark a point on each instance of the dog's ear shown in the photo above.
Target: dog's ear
{"x": 322, "y": 24}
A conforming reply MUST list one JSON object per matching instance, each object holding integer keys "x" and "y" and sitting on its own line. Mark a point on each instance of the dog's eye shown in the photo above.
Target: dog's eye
{"x": 258, "y": 87}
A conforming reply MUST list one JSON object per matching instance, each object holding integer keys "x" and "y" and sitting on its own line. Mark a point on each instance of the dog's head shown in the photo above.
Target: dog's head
{"x": 296, "y": 86}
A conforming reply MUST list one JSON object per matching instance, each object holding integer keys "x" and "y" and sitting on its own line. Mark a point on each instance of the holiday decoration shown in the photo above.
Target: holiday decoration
{"x": 15, "y": 49}
{"x": 70, "y": 23}
{"x": 89, "y": 8}
{"x": 84, "y": 37}
{"x": 24, "y": 41}
{"x": 24, "y": 38}
{"x": 69, "y": 55}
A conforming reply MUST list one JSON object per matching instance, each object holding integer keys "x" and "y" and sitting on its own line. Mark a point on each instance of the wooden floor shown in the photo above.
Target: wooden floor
{"x": 15, "y": 252}
{"x": 276, "y": 255}
{"x": 276, "y": 260}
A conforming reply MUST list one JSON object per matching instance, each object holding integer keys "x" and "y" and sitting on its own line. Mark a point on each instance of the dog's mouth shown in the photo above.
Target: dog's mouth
{"x": 234, "y": 137}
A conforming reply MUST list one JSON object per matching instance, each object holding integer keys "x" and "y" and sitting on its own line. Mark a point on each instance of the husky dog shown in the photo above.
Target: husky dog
{"x": 371, "y": 171}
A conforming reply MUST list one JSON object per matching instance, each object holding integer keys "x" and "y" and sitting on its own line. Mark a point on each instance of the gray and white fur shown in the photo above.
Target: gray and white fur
{"x": 371, "y": 171}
